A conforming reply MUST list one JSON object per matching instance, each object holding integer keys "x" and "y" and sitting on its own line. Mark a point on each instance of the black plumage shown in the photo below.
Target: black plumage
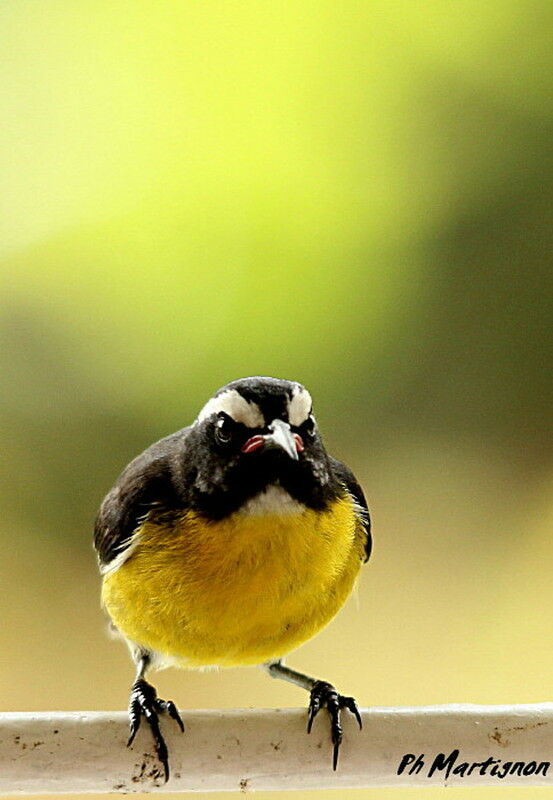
{"x": 189, "y": 469}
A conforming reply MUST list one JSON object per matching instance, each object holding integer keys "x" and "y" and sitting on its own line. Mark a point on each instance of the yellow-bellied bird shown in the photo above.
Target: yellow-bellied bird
{"x": 230, "y": 543}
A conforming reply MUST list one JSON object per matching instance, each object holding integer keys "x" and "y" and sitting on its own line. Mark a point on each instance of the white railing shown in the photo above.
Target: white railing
{"x": 454, "y": 745}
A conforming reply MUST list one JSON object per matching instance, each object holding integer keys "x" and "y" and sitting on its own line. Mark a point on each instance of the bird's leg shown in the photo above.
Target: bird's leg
{"x": 144, "y": 702}
{"x": 321, "y": 694}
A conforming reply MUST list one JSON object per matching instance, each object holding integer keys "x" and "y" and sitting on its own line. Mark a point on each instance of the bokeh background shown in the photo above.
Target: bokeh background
{"x": 356, "y": 195}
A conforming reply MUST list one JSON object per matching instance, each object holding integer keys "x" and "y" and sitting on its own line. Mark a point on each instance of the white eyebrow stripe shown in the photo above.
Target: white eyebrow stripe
{"x": 299, "y": 406}
{"x": 236, "y": 406}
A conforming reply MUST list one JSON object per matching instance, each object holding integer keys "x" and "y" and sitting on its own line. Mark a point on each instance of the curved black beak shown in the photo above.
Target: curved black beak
{"x": 281, "y": 437}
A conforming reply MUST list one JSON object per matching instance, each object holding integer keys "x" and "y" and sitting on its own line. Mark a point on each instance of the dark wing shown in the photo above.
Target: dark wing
{"x": 346, "y": 476}
{"x": 144, "y": 484}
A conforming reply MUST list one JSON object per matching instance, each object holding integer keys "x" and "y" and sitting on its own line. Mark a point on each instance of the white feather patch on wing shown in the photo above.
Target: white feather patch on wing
{"x": 299, "y": 406}
{"x": 236, "y": 406}
{"x": 273, "y": 500}
{"x": 361, "y": 512}
{"x": 122, "y": 556}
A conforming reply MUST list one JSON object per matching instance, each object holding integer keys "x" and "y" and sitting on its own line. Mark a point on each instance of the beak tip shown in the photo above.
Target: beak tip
{"x": 281, "y": 437}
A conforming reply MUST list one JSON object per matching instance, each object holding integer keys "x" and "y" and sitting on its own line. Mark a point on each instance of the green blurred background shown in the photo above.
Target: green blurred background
{"x": 355, "y": 195}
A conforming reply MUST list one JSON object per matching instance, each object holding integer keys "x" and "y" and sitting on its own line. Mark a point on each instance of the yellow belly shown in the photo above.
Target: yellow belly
{"x": 239, "y": 591}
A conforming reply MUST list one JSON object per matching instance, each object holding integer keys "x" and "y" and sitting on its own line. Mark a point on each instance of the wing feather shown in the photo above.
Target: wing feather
{"x": 143, "y": 485}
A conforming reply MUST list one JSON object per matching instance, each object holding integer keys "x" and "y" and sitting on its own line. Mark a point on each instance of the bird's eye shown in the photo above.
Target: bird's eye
{"x": 224, "y": 428}
{"x": 309, "y": 427}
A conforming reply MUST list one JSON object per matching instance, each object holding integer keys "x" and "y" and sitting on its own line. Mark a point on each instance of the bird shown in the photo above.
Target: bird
{"x": 230, "y": 543}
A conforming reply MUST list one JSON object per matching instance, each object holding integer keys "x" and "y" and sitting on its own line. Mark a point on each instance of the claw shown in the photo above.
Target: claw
{"x": 170, "y": 707}
{"x": 134, "y": 720}
{"x": 335, "y": 754}
{"x": 324, "y": 694}
{"x": 314, "y": 708}
{"x": 144, "y": 702}
{"x": 351, "y": 705}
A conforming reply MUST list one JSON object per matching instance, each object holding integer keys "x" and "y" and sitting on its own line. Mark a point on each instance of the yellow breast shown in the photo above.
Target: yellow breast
{"x": 238, "y": 591}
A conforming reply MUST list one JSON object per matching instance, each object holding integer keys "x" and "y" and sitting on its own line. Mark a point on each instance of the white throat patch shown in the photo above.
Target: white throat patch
{"x": 236, "y": 406}
{"x": 273, "y": 500}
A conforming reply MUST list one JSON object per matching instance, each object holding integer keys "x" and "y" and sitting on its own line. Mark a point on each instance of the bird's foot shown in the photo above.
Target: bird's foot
{"x": 144, "y": 702}
{"x": 324, "y": 694}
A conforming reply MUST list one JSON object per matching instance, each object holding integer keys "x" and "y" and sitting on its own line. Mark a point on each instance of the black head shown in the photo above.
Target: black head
{"x": 252, "y": 434}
